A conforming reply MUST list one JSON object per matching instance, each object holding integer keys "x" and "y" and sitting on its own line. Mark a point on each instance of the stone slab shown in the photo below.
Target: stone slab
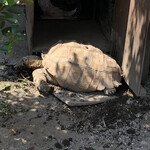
{"x": 81, "y": 99}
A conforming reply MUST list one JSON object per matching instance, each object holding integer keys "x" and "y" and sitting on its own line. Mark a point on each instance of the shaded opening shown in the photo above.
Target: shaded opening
{"x": 146, "y": 67}
{"x": 84, "y": 21}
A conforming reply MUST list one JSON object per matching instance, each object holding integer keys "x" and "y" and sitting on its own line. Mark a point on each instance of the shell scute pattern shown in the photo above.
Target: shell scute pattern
{"x": 81, "y": 67}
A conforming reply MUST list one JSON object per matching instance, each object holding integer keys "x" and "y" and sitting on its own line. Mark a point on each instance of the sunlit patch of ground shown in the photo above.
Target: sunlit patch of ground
{"x": 33, "y": 122}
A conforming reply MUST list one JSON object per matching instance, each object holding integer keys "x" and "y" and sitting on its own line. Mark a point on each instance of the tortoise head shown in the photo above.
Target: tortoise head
{"x": 29, "y": 62}
{"x": 33, "y": 62}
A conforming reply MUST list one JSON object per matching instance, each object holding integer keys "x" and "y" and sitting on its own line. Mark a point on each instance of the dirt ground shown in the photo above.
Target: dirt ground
{"x": 29, "y": 121}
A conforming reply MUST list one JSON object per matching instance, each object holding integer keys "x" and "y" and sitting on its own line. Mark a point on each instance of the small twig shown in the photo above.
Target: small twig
{"x": 24, "y": 77}
{"x": 117, "y": 146}
{"x": 104, "y": 122}
{"x": 26, "y": 80}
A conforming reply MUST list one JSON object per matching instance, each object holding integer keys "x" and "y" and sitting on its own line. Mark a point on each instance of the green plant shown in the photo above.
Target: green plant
{"x": 9, "y": 25}
{"x": 5, "y": 87}
{"x": 4, "y": 108}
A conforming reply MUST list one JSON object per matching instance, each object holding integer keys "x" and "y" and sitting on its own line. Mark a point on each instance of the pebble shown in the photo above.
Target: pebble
{"x": 58, "y": 145}
{"x": 129, "y": 101}
{"x": 66, "y": 142}
{"x": 138, "y": 115}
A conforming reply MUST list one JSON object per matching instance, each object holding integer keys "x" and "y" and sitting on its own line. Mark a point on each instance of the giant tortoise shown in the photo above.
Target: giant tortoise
{"x": 74, "y": 66}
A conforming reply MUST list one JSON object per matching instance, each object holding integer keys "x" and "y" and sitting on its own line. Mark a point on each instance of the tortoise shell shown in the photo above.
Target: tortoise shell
{"x": 81, "y": 67}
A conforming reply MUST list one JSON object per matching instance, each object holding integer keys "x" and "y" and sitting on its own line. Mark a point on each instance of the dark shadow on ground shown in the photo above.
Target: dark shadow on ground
{"x": 30, "y": 121}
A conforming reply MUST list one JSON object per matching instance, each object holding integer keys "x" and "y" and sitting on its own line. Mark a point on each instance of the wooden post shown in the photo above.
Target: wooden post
{"x": 147, "y": 57}
{"x": 134, "y": 49}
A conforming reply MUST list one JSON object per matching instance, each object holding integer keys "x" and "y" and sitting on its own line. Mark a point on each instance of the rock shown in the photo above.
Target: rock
{"x": 129, "y": 101}
{"x": 131, "y": 131}
{"x": 66, "y": 142}
{"x": 58, "y": 145}
{"x": 31, "y": 148}
{"x": 3, "y": 58}
{"x": 138, "y": 115}
{"x": 3, "y": 70}
{"x": 80, "y": 99}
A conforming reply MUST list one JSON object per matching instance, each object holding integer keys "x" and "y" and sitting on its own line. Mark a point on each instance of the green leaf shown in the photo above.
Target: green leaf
{"x": 18, "y": 38}
{"x": 14, "y": 28}
{"x": 7, "y": 14}
{"x": 4, "y": 48}
{"x": 2, "y": 1}
{"x": 11, "y": 48}
{"x": 5, "y": 87}
{"x": 2, "y": 17}
{"x": 27, "y": 2}
{"x": 6, "y": 41}
{"x": 15, "y": 10}
{"x": 10, "y": 2}
{"x": 12, "y": 20}
{"x": 2, "y": 24}
{"x": 6, "y": 3}
{"x": 6, "y": 30}
{"x": 19, "y": 34}
{"x": 2, "y": 6}
{"x": 9, "y": 35}
{"x": 1, "y": 34}
{"x": 4, "y": 106}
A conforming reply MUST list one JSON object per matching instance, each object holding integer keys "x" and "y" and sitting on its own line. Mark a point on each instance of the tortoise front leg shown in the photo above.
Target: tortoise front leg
{"x": 40, "y": 81}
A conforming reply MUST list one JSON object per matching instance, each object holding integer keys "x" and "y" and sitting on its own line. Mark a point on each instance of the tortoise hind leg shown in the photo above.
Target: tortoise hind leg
{"x": 109, "y": 86}
{"x": 40, "y": 81}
